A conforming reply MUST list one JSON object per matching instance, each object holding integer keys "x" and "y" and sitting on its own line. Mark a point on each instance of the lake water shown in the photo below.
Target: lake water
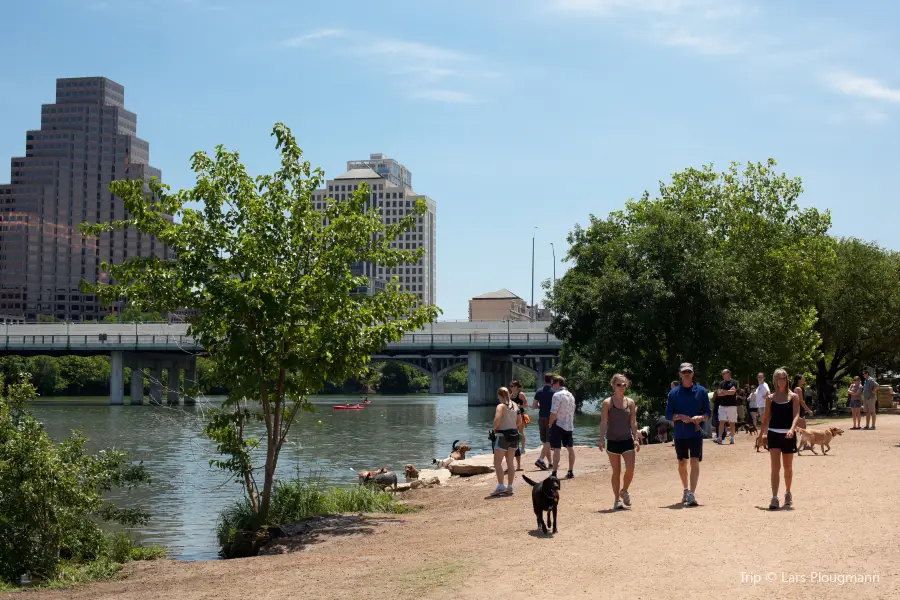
{"x": 186, "y": 495}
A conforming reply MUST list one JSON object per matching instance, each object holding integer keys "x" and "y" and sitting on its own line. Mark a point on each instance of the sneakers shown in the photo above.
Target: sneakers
{"x": 570, "y": 475}
{"x": 717, "y": 441}
{"x": 509, "y": 491}
{"x": 539, "y": 463}
{"x": 691, "y": 501}
{"x": 684, "y": 496}
{"x": 872, "y": 428}
{"x": 732, "y": 440}
{"x": 788, "y": 499}
{"x": 626, "y": 498}
{"x": 866, "y": 427}
{"x": 618, "y": 505}
{"x": 500, "y": 491}
{"x": 773, "y": 505}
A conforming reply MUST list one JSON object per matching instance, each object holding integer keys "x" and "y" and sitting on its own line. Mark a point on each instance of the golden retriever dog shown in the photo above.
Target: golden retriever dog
{"x": 762, "y": 440}
{"x": 364, "y": 475}
{"x": 822, "y": 437}
{"x": 458, "y": 452}
{"x": 411, "y": 473}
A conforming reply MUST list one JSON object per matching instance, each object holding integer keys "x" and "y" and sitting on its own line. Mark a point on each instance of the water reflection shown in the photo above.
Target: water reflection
{"x": 186, "y": 494}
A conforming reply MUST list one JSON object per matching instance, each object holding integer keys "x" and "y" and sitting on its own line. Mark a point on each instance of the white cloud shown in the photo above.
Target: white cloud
{"x": 303, "y": 39}
{"x": 862, "y": 87}
{"x": 449, "y": 96}
{"x": 701, "y": 43}
{"x": 417, "y": 66}
{"x": 708, "y": 9}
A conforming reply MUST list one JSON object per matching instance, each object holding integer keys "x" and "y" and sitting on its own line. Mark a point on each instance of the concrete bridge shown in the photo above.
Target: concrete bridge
{"x": 489, "y": 348}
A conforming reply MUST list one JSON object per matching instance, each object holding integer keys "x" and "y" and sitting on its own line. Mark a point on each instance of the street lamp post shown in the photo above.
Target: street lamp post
{"x": 532, "y": 271}
{"x": 553, "y": 248}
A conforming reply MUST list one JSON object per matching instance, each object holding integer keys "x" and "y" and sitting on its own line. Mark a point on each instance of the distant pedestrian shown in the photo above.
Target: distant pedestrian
{"x": 855, "y": 393}
{"x": 758, "y": 403}
{"x": 780, "y": 421}
{"x": 562, "y": 424}
{"x": 687, "y": 406}
{"x": 543, "y": 401}
{"x": 799, "y": 387}
{"x": 506, "y": 431}
{"x": 518, "y": 396}
{"x": 619, "y": 437}
{"x": 869, "y": 393}
{"x": 727, "y": 406}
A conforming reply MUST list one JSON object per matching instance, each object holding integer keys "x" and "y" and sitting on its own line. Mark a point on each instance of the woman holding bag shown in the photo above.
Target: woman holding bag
{"x": 506, "y": 429}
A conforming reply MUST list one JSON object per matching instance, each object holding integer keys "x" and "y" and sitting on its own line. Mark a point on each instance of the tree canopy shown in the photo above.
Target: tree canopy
{"x": 719, "y": 269}
{"x": 275, "y": 284}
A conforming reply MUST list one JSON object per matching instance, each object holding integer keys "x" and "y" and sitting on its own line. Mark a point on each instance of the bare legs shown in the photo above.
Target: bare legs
{"x": 788, "y": 461}
{"x": 683, "y": 472}
{"x": 628, "y": 457}
{"x": 510, "y": 470}
{"x": 615, "y": 461}
{"x": 856, "y": 418}
{"x": 775, "y": 457}
{"x": 498, "y": 465}
{"x": 695, "y": 473}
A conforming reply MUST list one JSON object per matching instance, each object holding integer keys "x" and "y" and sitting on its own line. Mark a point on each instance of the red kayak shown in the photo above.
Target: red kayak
{"x": 341, "y": 407}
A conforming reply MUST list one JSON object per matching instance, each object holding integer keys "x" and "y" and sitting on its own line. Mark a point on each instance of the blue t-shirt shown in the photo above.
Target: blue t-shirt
{"x": 691, "y": 402}
{"x": 544, "y": 396}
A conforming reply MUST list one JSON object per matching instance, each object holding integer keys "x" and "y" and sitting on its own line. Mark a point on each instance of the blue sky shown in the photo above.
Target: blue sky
{"x": 510, "y": 114}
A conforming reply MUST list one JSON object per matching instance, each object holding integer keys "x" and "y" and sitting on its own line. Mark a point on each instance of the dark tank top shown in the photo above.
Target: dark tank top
{"x": 782, "y": 415}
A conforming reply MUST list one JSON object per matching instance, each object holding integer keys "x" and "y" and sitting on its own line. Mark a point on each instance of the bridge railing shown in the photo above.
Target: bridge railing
{"x": 99, "y": 341}
{"x": 171, "y": 342}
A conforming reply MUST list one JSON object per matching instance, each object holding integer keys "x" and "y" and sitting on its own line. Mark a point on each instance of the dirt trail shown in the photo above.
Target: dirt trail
{"x": 846, "y": 521}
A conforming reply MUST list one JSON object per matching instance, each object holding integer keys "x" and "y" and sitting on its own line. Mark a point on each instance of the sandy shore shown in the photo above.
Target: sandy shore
{"x": 846, "y": 521}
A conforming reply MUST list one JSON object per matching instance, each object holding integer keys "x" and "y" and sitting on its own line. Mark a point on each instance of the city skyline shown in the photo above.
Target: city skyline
{"x": 514, "y": 115}
{"x": 60, "y": 180}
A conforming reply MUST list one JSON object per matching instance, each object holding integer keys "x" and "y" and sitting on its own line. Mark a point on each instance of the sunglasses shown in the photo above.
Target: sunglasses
{"x": 620, "y": 384}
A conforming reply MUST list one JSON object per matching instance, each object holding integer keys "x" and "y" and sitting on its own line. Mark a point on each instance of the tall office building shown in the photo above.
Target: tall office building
{"x": 390, "y": 185}
{"x": 87, "y": 139}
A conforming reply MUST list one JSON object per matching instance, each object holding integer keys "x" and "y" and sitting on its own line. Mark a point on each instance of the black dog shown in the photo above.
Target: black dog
{"x": 545, "y": 498}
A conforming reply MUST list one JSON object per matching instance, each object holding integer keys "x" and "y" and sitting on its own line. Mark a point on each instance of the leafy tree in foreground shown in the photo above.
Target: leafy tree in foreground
{"x": 273, "y": 281}
{"x": 717, "y": 270}
{"x": 51, "y": 495}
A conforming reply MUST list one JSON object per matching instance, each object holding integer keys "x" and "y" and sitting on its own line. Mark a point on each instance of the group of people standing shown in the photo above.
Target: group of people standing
{"x": 862, "y": 393}
{"x": 556, "y": 423}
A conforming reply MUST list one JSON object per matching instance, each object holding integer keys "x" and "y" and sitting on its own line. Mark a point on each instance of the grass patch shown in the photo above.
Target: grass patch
{"x": 118, "y": 549}
{"x": 240, "y": 533}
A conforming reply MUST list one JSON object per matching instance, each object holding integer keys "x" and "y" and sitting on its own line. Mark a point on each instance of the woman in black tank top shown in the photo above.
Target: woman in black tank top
{"x": 779, "y": 424}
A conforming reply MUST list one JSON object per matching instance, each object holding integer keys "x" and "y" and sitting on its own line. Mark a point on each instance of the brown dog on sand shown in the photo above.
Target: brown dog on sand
{"x": 459, "y": 452}
{"x": 822, "y": 437}
{"x": 762, "y": 440}
{"x": 411, "y": 473}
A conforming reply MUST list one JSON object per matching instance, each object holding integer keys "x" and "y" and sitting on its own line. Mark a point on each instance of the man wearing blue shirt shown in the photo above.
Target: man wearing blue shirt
{"x": 687, "y": 407}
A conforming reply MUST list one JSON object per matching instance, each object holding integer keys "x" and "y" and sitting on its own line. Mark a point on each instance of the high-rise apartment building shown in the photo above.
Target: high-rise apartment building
{"x": 87, "y": 139}
{"x": 390, "y": 185}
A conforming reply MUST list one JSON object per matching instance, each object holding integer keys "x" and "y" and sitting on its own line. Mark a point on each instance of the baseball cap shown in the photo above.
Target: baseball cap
{"x": 686, "y": 367}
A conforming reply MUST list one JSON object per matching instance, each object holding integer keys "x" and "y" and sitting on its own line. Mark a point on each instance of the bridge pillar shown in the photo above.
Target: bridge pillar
{"x": 117, "y": 378}
{"x": 173, "y": 384}
{"x": 437, "y": 383}
{"x": 190, "y": 382}
{"x": 487, "y": 373}
{"x": 137, "y": 383}
{"x": 155, "y": 383}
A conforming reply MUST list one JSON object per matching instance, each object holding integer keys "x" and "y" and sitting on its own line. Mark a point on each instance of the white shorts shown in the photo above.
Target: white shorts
{"x": 728, "y": 414}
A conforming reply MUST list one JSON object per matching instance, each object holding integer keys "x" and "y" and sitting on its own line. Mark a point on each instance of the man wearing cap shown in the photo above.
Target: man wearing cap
{"x": 687, "y": 407}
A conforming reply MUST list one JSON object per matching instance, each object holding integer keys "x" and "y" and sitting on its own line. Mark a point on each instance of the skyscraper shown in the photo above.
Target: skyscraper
{"x": 87, "y": 139}
{"x": 390, "y": 185}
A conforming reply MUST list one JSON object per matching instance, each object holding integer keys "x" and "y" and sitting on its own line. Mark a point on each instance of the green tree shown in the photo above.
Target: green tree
{"x": 457, "y": 380}
{"x": 46, "y": 375}
{"x": 52, "y": 495}
{"x": 273, "y": 280}
{"x": 395, "y": 379}
{"x": 133, "y": 315}
{"x": 717, "y": 270}
{"x": 857, "y": 306}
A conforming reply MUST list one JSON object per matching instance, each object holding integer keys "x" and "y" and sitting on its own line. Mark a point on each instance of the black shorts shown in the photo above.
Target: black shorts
{"x": 619, "y": 446}
{"x": 689, "y": 448}
{"x": 780, "y": 441}
{"x": 543, "y": 426}
{"x": 559, "y": 437}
